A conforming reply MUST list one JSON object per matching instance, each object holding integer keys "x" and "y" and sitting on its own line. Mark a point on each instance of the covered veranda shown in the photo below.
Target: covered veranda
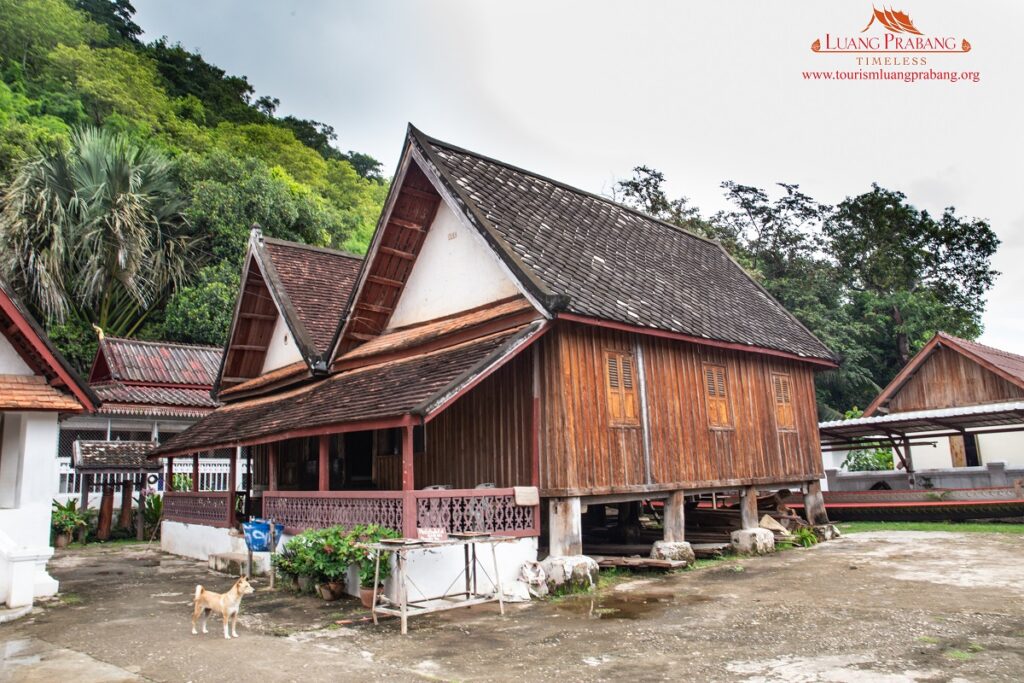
{"x": 404, "y": 443}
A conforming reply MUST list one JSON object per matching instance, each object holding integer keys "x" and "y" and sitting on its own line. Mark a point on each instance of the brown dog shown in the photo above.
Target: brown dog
{"x": 225, "y": 603}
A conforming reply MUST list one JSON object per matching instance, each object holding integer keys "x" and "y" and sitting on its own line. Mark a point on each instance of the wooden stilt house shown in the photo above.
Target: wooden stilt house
{"x": 505, "y": 333}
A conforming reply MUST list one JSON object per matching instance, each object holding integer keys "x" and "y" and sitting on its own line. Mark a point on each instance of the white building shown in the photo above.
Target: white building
{"x": 37, "y": 386}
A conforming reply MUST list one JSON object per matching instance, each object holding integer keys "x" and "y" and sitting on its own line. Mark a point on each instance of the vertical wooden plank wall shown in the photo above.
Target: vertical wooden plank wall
{"x": 484, "y": 437}
{"x": 581, "y": 452}
{"x": 949, "y": 380}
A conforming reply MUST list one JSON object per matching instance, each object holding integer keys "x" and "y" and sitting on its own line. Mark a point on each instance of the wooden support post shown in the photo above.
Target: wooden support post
{"x": 325, "y": 470}
{"x": 124, "y": 520}
{"x": 232, "y": 486}
{"x": 408, "y": 485}
{"x": 272, "y": 466}
{"x": 748, "y": 508}
{"x": 140, "y": 517}
{"x": 106, "y": 513}
{"x": 169, "y": 476}
{"x": 535, "y": 422}
{"x": 675, "y": 517}
{"x": 195, "y": 471}
{"x": 814, "y": 504}
{"x": 83, "y": 504}
{"x": 565, "y": 527}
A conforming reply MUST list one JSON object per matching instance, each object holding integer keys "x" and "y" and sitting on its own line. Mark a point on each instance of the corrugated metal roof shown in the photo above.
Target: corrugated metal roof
{"x": 919, "y": 421}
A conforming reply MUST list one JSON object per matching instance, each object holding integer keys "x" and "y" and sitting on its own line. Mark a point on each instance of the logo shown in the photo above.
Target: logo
{"x": 899, "y": 36}
{"x": 888, "y": 44}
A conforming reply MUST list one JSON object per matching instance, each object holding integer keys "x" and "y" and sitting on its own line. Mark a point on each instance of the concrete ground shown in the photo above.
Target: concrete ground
{"x": 894, "y": 606}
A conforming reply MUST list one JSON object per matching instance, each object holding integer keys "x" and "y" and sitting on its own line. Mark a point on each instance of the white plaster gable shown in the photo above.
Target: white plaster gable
{"x": 455, "y": 271}
{"x": 281, "y": 349}
{"x": 10, "y": 362}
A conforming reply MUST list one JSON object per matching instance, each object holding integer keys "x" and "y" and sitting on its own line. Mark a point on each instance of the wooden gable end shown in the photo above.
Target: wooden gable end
{"x": 949, "y": 379}
{"x": 251, "y": 330}
{"x": 400, "y": 237}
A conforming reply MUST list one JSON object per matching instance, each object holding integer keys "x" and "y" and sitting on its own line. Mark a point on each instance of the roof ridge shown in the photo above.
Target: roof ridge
{"x": 565, "y": 186}
{"x": 1002, "y": 352}
{"x": 313, "y": 247}
{"x": 156, "y": 342}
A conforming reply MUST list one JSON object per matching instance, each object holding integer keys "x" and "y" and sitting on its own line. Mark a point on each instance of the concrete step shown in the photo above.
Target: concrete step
{"x": 235, "y": 564}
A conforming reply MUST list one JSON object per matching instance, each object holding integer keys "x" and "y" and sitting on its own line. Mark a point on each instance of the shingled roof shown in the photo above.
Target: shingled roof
{"x": 113, "y": 456}
{"x": 586, "y": 255}
{"x": 417, "y": 384}
{"x": 317, "y": 283}
{"x": 155, "y": 362}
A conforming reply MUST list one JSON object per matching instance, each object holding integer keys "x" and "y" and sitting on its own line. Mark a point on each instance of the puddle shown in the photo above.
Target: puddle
{"x": 627, "y": 604}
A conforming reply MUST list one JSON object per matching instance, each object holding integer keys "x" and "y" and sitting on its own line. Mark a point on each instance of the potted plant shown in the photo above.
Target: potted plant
{"x": 333, "y": 554}
{"x": 64, "y": 521}
{"x": 368, "y": 578}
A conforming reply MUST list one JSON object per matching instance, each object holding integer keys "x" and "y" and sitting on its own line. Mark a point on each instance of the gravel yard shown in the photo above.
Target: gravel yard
{"x": 877, "y": 606}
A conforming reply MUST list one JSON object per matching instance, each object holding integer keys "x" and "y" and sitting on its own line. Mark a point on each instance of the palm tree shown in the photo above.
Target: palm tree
{"x": 95, "y": 231}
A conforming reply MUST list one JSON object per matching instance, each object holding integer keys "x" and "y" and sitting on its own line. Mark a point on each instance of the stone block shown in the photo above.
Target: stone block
{"x": 574, "y": 572}
{"x": 235, "y": 564}
{"x": 753, "y": 541}
{"x": 673, "y": 550}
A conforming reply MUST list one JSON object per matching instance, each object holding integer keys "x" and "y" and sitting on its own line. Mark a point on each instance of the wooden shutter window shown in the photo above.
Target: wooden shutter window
{"x": 623, "y": 402}
{"x": 717, "y": 392}
{"x": 782, "y": 388}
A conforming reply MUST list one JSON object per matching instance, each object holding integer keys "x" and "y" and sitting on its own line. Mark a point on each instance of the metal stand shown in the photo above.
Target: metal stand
{"x": 448, "y": 600}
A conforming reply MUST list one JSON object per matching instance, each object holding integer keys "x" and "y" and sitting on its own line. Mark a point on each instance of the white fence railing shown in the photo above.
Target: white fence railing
{"x": 213, "y": 476}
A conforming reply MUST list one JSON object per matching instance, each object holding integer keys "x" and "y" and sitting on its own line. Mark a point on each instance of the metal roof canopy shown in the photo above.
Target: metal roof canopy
{"x": 989, "y": 418}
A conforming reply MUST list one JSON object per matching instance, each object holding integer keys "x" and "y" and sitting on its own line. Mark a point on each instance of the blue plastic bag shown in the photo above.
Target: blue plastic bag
{"x": 257, "y": 534}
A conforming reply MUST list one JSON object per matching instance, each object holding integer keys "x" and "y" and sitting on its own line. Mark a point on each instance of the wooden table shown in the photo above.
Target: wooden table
{"x": 448, "y": 600}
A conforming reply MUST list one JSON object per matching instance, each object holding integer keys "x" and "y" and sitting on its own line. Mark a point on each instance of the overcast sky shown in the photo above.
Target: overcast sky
{"x": 704, "y": 91}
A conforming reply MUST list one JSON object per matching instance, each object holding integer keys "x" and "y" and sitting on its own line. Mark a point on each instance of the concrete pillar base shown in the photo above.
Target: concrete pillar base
{"x": 573, "y": 572}
{"x": 753, "y": 541}
{"x": 679, "y": 551}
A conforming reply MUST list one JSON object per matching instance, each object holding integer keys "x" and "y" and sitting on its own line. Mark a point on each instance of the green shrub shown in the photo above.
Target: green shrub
{"x": 326, "y": 554}
{"x": 66, "y": 518}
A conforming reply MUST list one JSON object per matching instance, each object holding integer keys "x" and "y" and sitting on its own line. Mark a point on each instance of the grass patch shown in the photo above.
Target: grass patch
{"x": 959, "y": 655}
{"x": 956, "y": 527}
{"x": 70, "y": 598}
{"x": 930, "y": 640}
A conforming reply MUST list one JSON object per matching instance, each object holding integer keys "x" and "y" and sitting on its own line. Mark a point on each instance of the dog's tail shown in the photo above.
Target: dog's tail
{"x": 199, "y": 591}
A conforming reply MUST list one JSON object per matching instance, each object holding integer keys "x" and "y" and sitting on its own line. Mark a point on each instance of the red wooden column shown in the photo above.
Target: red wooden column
{"x": 325, "y": 471}
{"x": 168, "y": 478}
{"x": 195, "y": 471}
{"x": 232, "y": 473}
{"x": 408, "y": 485}
{"x": 272, "y": 466}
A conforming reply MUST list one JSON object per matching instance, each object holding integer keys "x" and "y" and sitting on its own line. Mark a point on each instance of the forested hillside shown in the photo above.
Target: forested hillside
{"x": 134, "y": 171}
{"x": 131, "y": 174}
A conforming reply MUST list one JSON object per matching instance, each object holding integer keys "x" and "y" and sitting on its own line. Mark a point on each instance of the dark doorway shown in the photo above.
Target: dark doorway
{"x": 972, "y": 456}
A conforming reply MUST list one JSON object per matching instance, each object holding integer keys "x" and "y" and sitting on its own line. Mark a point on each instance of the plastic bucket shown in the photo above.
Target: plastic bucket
{"x": 257, "y": 534}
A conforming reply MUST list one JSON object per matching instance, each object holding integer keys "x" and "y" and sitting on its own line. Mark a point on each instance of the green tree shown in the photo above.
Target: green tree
{"x": 117, "y": 16}
{"x": 29, "y": 29}
{"x": 909, "y": 272}
{"x": 114, "y": 81}
{"x": 96, "y": 232}
{"x": 200, "y": 313}
{"x": 645, "y": 192}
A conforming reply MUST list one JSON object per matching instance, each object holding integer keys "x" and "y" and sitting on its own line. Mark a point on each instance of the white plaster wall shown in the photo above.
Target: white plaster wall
{"x": 1007, "y": 448}
{"x": 198, "y": 541}
{"x": 281, "y": 350}
{"x": 10, "y": 362}
{"x": 930, "y": 457}
{"x": 28, "y": 484}
{"x": 454, "y": 271}
{"x": 432, "y": 571}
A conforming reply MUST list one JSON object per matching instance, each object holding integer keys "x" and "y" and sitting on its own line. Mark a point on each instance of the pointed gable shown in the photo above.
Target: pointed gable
{"x": 289, "y": 306}
{"x": 950, "y": 372}
{"x": 34, "y": 375}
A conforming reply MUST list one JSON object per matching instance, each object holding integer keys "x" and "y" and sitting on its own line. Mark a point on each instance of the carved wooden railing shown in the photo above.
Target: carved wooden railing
{"x": 198, "y": 507}
{"x": 492, "y": 511}
{"x": 301, "y": 510}
{"x": 457, "y": 511}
